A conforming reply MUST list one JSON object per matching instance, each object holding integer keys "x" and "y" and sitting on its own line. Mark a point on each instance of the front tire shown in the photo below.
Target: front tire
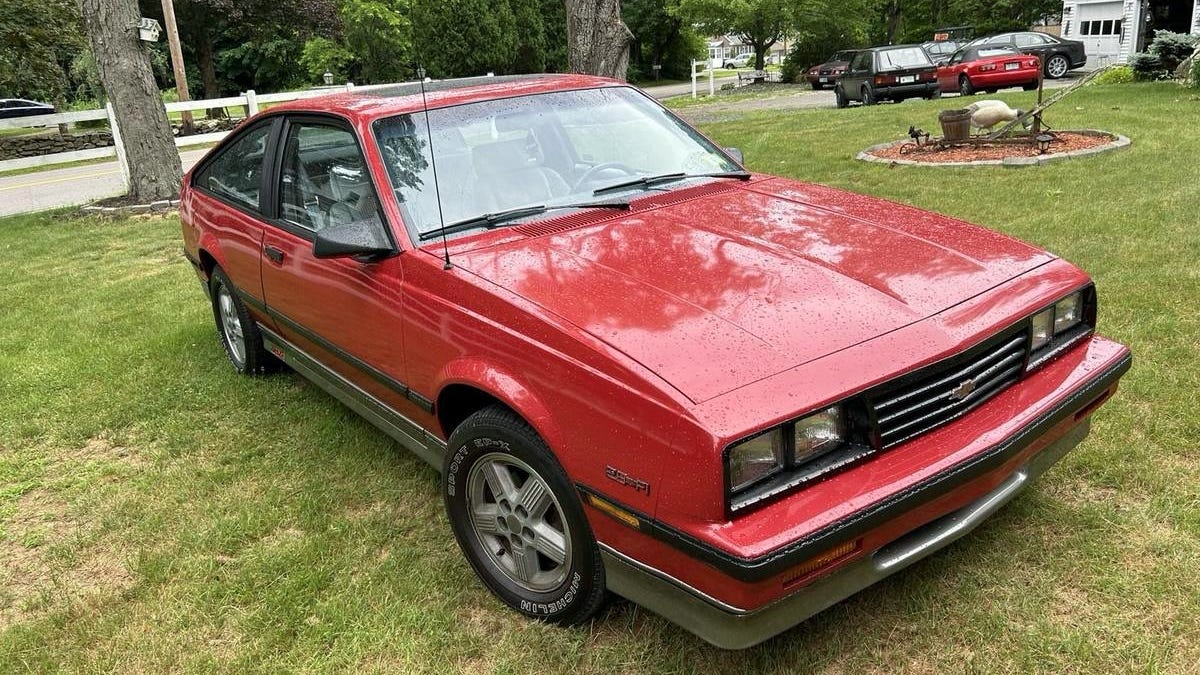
{"x": 518, "y": 520}
{"x": 839, "y": 97}
{"x": 1057, "y": 66}
{"x": 237, "y": 330}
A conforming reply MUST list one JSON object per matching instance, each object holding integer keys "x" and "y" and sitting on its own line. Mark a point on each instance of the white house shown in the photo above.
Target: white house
{"x": 1112, "y": 30}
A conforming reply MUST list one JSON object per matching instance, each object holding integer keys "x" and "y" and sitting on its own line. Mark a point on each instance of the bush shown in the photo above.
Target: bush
{"x": 1118, "y": 75}
{"x": 1166, "y": 52}
{"x": 791, "y": 70}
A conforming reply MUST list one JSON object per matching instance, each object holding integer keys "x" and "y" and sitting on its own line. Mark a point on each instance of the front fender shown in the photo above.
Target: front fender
{"x": 495, "y": 381}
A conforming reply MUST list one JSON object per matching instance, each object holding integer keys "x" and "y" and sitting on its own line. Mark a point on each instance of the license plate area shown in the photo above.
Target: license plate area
{"x": 907, "y": 79}
{"x": 1012, "y": 65}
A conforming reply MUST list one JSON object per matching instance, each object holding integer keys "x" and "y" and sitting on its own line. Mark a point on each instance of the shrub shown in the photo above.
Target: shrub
{"x": 1166, "y": 52}
{"x": 791, "y": 70}
{"x": 1118, "y": 75}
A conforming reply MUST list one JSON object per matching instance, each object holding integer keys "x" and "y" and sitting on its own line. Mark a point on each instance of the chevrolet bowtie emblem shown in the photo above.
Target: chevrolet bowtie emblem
{"x": 963, "y": 390}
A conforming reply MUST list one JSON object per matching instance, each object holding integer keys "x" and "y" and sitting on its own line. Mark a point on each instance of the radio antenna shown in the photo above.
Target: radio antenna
{"x": 437, "y": 193}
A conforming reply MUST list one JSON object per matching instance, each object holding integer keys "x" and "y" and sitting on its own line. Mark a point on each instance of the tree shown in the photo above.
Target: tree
{"x": 758, "y": 23}
{"x": 597, "y": 39}
{"x": 449, "y": 44}
{"x": 661, "y": 37}
{"x": 124, "y": 66}
{"x": 38, "y": 42}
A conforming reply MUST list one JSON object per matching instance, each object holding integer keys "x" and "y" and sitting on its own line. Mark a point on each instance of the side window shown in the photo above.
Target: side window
{"x": 324, "y": 179}
{"x": 862, "y": 61}
{"x": 236, "y": 172}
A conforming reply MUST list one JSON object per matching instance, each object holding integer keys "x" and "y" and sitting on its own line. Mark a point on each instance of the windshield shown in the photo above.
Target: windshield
{"x": 905, "y": 57}
{"x": 540, "y": 150}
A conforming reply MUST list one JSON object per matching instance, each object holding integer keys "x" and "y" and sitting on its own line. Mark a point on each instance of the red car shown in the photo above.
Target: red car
{"x": 989, "y": 69}
{"x": 826, "y": 74}
{"x": 732, "y": 398}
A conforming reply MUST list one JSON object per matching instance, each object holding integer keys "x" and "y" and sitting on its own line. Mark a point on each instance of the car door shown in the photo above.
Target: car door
{"x": 857, "y": 73}
{"x": 231, "y": 184}
{"x": 344, "y": 312}
{"x": 1032, "y": 43}
{"x": 948, "y": 74}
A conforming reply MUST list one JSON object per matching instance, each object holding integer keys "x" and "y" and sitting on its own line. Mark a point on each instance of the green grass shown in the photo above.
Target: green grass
{"x": 159, "y": 513}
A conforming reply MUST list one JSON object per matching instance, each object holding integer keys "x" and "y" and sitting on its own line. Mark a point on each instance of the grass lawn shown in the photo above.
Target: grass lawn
{"x": 159, "y": 513}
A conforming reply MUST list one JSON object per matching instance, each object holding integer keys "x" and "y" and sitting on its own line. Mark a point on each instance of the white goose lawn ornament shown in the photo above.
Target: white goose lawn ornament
{"x": 988, "y": 113}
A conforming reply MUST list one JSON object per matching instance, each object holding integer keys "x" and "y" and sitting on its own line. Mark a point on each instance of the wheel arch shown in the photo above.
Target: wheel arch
{"x": 469, "y": 385}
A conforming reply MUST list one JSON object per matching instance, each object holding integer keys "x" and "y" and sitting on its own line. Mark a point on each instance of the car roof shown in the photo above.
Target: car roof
{"x": 885, "y": 48}
{"x": 369, "y": 103}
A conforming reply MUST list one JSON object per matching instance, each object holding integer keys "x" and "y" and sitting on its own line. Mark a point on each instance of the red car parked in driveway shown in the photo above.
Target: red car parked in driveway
{"x": 733, "y": 398}
{"x": 988, "y": 68}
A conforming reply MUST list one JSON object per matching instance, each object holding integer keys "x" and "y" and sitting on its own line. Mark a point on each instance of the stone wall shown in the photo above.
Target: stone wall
{"x": 15, "y": 147}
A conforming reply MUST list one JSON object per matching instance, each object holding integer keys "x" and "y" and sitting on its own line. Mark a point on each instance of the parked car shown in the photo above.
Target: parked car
{"x": 19, "y": 107}
{"x": 740, "y": 61}
{"x": 1059, "y": 55}
{"x": 894, "y": 73}
{"x": 940, "y": 51}
{"x": 730, "y": 397}
{"x": 989, "y": 69}
{"x": 826, "y": 74}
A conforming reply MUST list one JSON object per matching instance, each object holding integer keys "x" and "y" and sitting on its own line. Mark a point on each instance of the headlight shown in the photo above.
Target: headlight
{"x": 817, "y": 434}
{"x": 1068, "y": 312}
{"x": 1043, "y": 328}
{"x": 1057, "y": 319}
{"x": 750, "y": 460}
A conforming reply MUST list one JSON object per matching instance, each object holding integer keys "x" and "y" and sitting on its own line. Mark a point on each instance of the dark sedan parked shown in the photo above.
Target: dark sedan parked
{"x": 894, "y": 73}
{"x": 1059, "y": 55}
{"x": 19, "y": 107}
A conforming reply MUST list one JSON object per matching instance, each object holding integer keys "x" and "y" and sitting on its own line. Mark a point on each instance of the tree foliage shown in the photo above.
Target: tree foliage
{"x": 758, "y": 23}
{"x": 899, "y": 21}
{"x": 38, "y": 42}
{"x": 660, "y": 36}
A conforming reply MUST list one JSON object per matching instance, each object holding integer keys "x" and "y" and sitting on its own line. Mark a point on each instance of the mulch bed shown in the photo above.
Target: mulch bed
{"x": 1065, "y": 141}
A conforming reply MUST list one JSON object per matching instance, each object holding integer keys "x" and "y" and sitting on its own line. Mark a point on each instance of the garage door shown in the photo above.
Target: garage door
{"x": 1100, "y": 30}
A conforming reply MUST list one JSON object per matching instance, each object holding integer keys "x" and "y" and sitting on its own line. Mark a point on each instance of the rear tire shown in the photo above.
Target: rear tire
{"x": 1030, "y": 86}
{"x": 518, "y": 520}
{"x": 839, "y": 97}
{"x": 1057, "y": 66}
{"x": 965, "y": 88}
{"x": 868, "y": 95}
{"x": 237, "y": 330}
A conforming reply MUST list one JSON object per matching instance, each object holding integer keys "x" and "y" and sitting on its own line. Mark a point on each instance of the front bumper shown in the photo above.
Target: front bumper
{"x": 1004, "y": 469}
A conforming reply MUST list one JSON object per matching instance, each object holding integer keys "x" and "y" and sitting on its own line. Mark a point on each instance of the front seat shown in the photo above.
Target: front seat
{"x": 510, "y": 176}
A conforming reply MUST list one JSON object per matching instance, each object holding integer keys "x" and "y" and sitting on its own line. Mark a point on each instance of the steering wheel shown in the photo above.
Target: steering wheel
{"x": 592, "y": 172}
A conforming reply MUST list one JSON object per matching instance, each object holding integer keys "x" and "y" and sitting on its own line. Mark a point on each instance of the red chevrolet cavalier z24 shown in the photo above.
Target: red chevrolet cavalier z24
{"x": 732, "y": 398}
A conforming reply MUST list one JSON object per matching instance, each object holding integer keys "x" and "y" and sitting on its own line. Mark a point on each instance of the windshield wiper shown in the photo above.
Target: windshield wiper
{"x": 647, "y": 181}
{"x": 490, "y": 220}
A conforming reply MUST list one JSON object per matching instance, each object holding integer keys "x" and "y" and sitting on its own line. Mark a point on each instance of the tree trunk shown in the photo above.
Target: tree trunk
{"x": 894, "y": 11}
{"x": 154, "y": 168}
{"x": 208, "y": 71}
{"x": 597, "y": 40}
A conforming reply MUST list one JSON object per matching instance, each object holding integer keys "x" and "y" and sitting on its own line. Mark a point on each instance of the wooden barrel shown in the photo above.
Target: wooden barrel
{"x": 956, "y": 124}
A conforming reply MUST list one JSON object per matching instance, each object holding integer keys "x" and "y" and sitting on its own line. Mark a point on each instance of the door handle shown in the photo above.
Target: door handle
{"x": 273, "y": 253}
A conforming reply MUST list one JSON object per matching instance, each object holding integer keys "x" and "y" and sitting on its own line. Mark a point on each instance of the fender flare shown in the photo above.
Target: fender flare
{"x": 479, "y": 373}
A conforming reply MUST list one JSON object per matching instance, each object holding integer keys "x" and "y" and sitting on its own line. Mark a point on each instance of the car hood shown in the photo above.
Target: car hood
{"x": 719, "y": 285}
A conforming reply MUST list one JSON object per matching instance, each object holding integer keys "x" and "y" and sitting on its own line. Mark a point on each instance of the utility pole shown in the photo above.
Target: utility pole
{"x": 181, "y": 87}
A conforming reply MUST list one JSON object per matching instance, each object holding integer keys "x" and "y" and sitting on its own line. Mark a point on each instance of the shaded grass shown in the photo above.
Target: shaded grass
{"x": 177, "y": 517}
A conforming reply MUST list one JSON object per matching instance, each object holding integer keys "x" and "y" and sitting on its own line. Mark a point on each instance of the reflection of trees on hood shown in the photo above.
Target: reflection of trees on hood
{"x": 403, "y": 152}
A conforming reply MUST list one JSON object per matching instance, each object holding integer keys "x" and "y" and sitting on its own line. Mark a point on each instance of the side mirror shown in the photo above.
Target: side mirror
{"x": 736, "y": 154}
{"x": 360, "y": 239}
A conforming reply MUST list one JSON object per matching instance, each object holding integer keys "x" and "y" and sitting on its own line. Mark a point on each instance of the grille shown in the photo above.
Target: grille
{"x": 947, "y": 392}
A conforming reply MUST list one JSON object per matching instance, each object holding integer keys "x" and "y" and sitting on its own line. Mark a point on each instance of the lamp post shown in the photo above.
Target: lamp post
{"x": 328, "y": 77}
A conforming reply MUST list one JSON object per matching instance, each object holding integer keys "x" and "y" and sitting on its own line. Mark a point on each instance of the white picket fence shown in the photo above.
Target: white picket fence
{"x": 250, "y": 101}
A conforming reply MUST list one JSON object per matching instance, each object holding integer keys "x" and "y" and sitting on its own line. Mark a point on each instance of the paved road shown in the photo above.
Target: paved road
{"x": 72, "y": 186}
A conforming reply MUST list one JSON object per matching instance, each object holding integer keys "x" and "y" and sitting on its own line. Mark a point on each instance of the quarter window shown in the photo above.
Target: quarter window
{"x": 324, "y": 180}
{"x": 235, "y": 173}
